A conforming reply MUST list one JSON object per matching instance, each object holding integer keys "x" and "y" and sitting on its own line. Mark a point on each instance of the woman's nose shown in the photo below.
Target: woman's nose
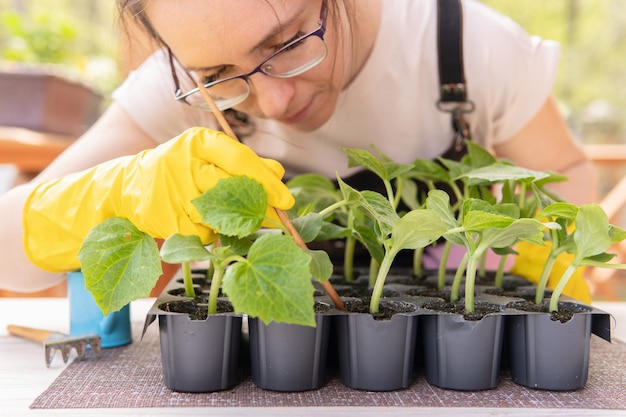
{"x": 273, "y": 95}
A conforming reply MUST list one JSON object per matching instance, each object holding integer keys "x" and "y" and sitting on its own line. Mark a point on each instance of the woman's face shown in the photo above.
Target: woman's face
{"x": 210, "y": 37}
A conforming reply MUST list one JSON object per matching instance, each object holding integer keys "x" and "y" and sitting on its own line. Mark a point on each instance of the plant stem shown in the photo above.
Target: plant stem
{"x": 348, "y": 259}
{"x": 483, "y": 265}
{"x": 443, "y": 265}
{"x": 456, "y": 284}
{"x": 500, "y": 272}
{"x": 390, "y": 193}
{"x": 216, "y": 283}
{"x": 418, "y": 269}
{"x": 333, "y": 207}
{"x": 543, "y": 279}
{"x": 377, "y": 293}
{"x": 556, "y": 294}
{"x": 374, "y": 267}
{"x": 187, "y": 280}
{"x": 399, "y": 184}
{"x": 470, "y": 278}
{"x": 522, "y": 195}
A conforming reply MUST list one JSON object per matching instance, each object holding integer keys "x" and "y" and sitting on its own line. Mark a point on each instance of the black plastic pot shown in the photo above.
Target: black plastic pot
{"x": 547, "y": 354}
{"x": 376, "y": 355}
{"x": 289, "y": 357}
{"x": 462, "y": 354}
{"x": 200, "y": 356}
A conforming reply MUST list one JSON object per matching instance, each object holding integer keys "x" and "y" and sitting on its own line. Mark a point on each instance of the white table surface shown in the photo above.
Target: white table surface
{"x": 24, "y": 375}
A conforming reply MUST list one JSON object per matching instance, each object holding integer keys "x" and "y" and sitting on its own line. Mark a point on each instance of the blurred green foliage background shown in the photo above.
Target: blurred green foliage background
{"x": 78, "y": 38}
{"x": 592, "y": 72}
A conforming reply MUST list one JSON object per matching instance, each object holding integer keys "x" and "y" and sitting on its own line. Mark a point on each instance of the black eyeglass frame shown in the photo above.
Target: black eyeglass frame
{"x": 319, "y": 32}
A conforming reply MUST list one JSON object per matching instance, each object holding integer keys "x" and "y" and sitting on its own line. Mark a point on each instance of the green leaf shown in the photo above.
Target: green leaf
{"x": 439, "y": 202}
{"x": 331, "y": 231}
{"x": 521, "y": 229}
{"x": 312, "y": 181}
{"x": 479, "y": 215}
{"x": 478, "y": 155}
{"x": 321, "y": 266}
{"x": 397, "y": 170}
{"x": 416, "y": 229}
{"x": 617, "y": 234}
{"x": 235, "y": 206}
{"x": 365, "y": 159}
{"x": 603, "y": 257}
{"x": 477, "y": 221}
{"x": 239, "y": 246}
{"x": 427, "y": 170}
{"x": 500, "y": 172}
{"x": 181, "y": 248}
{"x": 550, "y": 178}
{"x": 308, "y": 226}
{"x": 366, "y": 234}
{"x": 120, "y": 263}
{"x": 349, "y": 194}
{"x": 563, "y": 210}
{"x": 592, "y": 231}
{"x": 314, "y": 191}
{"x": 274, "y": 284}
{"x": 380, "y": 209}
{"x": 410, "y": 193}
{"x": 455, "y": 168}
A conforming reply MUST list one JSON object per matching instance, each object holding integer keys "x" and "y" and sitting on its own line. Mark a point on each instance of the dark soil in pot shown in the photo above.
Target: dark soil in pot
{"x": 526, "y": 292}
{"x": 458, "y": 307}
{"x": 363, "y": 292}
{"x": 565, "y": 313}
{"x": 195, "y": 309}
{"x": 425, "y": 291}
{"x": 387, "y": 309}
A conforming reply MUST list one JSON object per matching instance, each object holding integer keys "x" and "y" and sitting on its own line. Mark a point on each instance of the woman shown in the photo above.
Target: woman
{"x": 352, "y": 73}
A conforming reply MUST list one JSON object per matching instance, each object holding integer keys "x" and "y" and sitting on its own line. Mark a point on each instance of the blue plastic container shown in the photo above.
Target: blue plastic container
{"x": 86, "y": 317}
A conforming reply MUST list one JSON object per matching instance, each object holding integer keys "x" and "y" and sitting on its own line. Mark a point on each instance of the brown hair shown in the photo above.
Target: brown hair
{"x": 135, "y": 10}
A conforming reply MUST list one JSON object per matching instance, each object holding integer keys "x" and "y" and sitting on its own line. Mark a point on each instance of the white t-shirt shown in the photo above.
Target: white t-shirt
{"x": 391, "y": 105}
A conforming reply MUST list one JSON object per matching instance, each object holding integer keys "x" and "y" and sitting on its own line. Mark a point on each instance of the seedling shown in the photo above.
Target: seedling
{"x": 264, "y": 274}
{"x": 592, "y": 236}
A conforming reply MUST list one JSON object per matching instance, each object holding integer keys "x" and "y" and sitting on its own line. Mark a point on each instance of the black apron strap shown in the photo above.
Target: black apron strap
{"x": 452, "y": 85}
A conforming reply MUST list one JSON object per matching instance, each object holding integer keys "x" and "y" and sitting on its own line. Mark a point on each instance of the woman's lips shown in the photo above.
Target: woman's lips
{"x": 299, "y": 116}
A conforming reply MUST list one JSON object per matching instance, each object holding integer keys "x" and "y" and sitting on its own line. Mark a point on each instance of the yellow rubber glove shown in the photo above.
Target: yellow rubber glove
{"x": 152, "y": 189}
{"x": 529, "y": 264}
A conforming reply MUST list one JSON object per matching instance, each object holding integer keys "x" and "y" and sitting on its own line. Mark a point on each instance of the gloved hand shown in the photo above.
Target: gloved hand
{"x": 152, "y": 189}
{"x": 529, "y": 264}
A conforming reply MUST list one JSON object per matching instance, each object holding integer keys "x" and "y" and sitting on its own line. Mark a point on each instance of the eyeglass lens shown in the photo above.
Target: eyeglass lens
{"x": 298, "y": 58}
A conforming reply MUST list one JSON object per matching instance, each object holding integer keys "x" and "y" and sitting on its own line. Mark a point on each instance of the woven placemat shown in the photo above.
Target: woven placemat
{"x": 130, "y": 377}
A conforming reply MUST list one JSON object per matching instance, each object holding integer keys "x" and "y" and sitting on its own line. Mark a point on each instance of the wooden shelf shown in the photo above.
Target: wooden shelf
{"x": 606, "y": 153}
{"x": 29, "y": 150}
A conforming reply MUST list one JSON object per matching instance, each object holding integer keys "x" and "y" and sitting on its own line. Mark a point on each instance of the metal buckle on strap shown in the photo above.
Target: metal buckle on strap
{"x": 459, "y": 124}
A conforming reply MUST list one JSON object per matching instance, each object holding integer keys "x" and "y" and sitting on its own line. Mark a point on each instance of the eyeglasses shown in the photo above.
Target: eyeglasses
{"x": 294, "y": 58}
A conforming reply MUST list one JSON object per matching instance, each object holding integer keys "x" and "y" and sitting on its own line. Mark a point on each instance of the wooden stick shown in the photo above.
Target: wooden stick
{"x": 328, "y": 287}
{"x": 218, "y": 114}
